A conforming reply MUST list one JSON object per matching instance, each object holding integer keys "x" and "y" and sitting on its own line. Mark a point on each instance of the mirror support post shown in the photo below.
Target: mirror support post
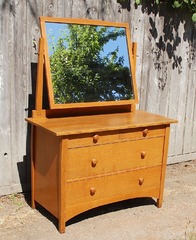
{"x": 134, "y": 52}
{"x": 39, "y": 112}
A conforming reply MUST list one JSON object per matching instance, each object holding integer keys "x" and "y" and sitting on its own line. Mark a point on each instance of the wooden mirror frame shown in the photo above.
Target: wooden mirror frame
{"x": 104, "y": 104}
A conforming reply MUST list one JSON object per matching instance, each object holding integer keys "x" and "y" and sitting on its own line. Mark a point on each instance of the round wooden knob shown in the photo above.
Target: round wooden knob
{"x": 94, "y": 162}
{"x": 92, "y": 191}
{"x": 145, "y": 132}
{"x": 95, "y": 138}
{"x": 141, "y": 180}
{"x": 143, "y": 154}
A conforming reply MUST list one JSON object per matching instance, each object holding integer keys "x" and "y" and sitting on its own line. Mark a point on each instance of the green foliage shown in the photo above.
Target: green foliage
{"x": 194, "y": 17}
{"x": 189, "y": 4}
{"x": 80, "y": 73}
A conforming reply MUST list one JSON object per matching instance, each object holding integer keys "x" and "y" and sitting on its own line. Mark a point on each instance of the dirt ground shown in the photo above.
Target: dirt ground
{"x": 136, "y": 219}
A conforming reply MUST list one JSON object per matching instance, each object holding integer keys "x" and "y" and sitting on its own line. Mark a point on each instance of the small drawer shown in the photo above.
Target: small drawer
{"x": 92, "y": 139}
{"x": 98, "y": 160}
{"x": 143, "y": 132}
{"x": 135, "y": 183}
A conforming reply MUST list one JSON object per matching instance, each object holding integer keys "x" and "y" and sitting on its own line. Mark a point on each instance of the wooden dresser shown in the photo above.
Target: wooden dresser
{"x": 87, "y": 153}
{"x": 83, "y": 162}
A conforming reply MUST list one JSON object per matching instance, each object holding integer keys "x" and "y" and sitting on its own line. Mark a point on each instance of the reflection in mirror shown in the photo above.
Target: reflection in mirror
{"x": 88, "y": 63}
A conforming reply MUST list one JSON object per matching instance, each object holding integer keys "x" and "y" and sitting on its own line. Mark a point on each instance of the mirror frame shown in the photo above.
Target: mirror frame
{"x": 52, "y": 104}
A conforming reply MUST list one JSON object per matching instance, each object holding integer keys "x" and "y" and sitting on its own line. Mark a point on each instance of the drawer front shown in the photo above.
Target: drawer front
{"x": 144, "y": 132}
{"x": 92, "y": 139}
{"x": 90, "y": 161}
{"x": 133, "y": 183}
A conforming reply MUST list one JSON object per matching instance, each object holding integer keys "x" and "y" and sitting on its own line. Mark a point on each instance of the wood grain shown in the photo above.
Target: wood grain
{"x": 110, "y": 189}
{"x": 109, "y": 158}
{"x": 91, "y": 124}
{"x": 113, "y": 157}
{"x": 46, "y": 170}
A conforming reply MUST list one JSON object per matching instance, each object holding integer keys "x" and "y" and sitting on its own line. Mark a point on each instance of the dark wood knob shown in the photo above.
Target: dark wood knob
{"x": 92, "y": 191}
{"x": 145, "y": 132}
{"x": 94, "y": 162}
{"x": 141, "y": 180}
{"x": 143, "y": 154}
{"x": 95, "y": 138}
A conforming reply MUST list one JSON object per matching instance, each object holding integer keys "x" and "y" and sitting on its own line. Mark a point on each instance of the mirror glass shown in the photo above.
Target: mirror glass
{"x": 88, "y": 63}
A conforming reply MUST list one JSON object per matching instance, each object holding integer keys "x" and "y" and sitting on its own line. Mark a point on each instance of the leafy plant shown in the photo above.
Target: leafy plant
{"x": 188, "y": 4}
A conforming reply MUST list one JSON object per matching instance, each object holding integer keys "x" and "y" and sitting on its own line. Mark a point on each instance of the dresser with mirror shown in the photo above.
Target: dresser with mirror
{"x": 91, "y": 147}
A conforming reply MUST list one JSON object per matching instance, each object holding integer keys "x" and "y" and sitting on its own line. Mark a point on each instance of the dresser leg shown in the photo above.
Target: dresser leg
{"x": 32, "y": 168}
{"x": 33, "y": 203}
{"x": 61, "y": 226}
{"x": 159, "y": 202}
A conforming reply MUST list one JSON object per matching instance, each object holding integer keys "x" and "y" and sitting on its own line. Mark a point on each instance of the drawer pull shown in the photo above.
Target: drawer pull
{"x": 95, "y": 138}
{"x": 94, "y": 162}
{"x": 145, "y": 132}
{"x": 141, "y": 181}
{"x": 92, "y": 191}
{"x": 143, "y": 154}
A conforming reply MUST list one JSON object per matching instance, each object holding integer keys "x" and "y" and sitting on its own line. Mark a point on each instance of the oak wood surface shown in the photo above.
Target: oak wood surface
{"x": 164, "y": 163}
{"x": 113, "y": 157}
{"x": 110, "y": 185}
{"x": 110, "y": 189}
{"x": 40, "y": 72}
{"x": 74, "y": 210}
{"x": 46, "y": 170}
{"x": 88, "y": 124}
{"x": 33, "y": 166}
{"x": 79, "y": 164}
{"x": 61, "y": 188}
{"x": 79, "y": 140}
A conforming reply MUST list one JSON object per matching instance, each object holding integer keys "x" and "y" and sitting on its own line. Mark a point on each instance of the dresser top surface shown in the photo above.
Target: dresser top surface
{"x": 95, "y": 123}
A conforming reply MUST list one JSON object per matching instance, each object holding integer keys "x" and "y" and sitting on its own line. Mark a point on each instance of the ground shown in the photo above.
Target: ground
{"x": 136, "y": 219}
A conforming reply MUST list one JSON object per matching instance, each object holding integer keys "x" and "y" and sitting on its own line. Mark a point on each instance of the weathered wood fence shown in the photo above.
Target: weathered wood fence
{"x": 166, "y": 72}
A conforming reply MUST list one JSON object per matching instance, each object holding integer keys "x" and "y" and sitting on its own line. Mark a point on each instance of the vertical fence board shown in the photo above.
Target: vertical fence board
{"x": 190, "y": 116}
{"x": 138, "y": 28}
{"x": 60, "y": 8}
{"x": 79, "y": 9}
{"x": 177, "y": 94}
{"x": 5, "y": 133}
{"x": 50, "y": 8}
{"x": 18, "y": 92}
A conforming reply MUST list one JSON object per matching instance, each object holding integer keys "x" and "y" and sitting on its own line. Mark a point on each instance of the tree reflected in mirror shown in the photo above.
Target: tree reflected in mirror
{"x": 88, "y": 63}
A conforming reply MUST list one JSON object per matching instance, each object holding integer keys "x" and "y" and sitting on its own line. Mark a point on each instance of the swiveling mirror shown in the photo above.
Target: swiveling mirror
{"x": 88, "y": 63}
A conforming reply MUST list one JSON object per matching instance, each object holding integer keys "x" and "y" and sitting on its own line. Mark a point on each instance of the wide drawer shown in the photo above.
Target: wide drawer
{"x": 93, "y": 139}
{"x": 97, "y": 160}
{"x": 135, "y": 183}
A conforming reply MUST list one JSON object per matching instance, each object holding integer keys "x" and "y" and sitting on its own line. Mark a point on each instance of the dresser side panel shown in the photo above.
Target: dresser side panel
{"x": 46, "y": 167}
